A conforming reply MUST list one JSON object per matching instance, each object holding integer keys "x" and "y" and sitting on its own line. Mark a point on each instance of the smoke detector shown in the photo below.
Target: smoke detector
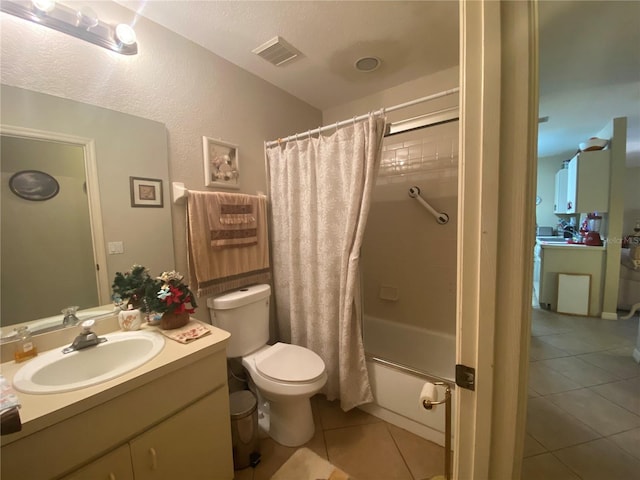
{"x": 276, "y": 51}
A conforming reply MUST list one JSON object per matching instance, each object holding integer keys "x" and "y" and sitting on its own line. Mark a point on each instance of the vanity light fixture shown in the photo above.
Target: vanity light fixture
{"x": 82, "y": 23}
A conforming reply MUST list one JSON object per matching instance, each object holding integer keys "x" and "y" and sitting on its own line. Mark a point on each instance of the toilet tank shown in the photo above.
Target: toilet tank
{"x": 244, "y": 313}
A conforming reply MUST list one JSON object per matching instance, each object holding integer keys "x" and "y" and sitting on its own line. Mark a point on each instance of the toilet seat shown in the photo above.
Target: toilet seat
{"x": 289, "y": 363}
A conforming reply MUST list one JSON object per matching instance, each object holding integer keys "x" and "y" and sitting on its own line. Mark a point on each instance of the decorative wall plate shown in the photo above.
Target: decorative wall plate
{"x": 34, "y": 185}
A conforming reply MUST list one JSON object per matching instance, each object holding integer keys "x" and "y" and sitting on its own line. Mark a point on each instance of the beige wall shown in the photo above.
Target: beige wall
{"x": 429, "y": 85}
{"x": 35, "y": 236}
{"x": 405, "y": 253}
{"x": 125, "y": 146}
{"x": 171, "y": 80}
{"x": 547, "y": 168}
{"x": 631, "y": 200}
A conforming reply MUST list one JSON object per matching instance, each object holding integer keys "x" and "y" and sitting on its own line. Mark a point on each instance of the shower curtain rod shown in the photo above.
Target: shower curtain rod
{"x": 336, "y": 125}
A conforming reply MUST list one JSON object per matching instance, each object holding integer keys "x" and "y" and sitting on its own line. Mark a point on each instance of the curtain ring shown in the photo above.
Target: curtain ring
{"x": 337, "y": 127}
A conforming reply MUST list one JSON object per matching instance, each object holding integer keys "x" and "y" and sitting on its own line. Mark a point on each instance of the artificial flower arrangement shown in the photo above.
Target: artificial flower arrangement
{"x": 130, "y": 288}
{"x": 171, "y": 295}
{"x": 166, "y": 295}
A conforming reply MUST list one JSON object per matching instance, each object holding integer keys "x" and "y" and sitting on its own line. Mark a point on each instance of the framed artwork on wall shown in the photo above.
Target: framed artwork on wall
{"x": 221, "y": 164}
{"x": 146, "y": 192}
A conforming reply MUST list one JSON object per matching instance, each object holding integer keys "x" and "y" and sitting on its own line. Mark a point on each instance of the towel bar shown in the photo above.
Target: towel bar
{"x": 180, "y": 193}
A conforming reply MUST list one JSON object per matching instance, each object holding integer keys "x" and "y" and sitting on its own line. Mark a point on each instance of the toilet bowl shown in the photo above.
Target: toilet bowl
{"x": 285, "y": 376}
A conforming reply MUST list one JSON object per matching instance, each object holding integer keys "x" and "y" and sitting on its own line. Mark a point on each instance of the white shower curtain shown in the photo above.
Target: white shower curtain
{"x": 320, "y": 191}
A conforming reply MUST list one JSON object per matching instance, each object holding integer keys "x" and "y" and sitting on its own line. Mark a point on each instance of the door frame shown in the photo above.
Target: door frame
{"x": 498, "y": 141}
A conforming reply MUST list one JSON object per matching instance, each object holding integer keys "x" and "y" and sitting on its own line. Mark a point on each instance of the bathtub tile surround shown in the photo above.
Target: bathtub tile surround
{"x": 583, "y": 416}
{"x": 360, "y": 444}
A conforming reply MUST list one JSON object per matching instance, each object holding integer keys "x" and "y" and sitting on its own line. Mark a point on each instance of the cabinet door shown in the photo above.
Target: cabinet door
{"x": 593, "y": 182}
{"x": 195, "y": 443}
{"x": 588, "y": 182}
{"x": 115, "y": 465}
{"x": 560, "y": 205}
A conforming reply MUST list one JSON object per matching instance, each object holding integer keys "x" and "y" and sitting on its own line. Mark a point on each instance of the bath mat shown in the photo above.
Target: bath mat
{"x": 306, "y": 465}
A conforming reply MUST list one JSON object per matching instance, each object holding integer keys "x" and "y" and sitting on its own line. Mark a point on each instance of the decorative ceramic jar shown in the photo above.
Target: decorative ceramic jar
{"x": 130, "y": 319}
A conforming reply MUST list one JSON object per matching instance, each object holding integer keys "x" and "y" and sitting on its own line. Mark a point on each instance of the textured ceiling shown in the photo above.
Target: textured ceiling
{"x": 589, "y": 55}
{"x": 413, "y": 39}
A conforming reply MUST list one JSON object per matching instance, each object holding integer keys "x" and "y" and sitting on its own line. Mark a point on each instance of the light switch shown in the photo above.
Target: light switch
{"x": 116, "y": 248}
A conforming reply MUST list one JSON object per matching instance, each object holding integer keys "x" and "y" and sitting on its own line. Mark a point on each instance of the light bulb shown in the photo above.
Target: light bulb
{"x": 86, "y": 18}
{"x": 125, "y": 34}
{"x": 44, "y": 6}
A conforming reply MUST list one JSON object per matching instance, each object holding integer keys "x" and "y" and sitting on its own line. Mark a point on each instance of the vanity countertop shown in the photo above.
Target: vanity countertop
{"x": 40, "y": 411}
{"x": 565, "y": 245}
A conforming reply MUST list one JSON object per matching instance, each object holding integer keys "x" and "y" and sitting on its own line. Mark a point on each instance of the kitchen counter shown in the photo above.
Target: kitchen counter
{"x": 557, "y": 244}
{"x": 38, "y": 412}
{"x": 554, "y": 257}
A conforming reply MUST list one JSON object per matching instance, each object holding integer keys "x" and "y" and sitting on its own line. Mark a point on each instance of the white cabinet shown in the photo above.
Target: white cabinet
{"x": 171, "y": 423}
{"x": 588, "y": 182}
{"x": 560, "y": 201}
{"x": 187, "y": 444}
{"x": 115, "y": 465}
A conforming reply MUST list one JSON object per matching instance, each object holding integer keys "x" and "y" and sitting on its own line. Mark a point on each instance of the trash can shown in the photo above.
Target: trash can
{"x": 244, "y": 429}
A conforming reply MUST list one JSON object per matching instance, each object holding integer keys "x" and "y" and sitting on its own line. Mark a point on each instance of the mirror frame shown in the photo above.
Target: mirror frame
{"x": 93, "y": 196}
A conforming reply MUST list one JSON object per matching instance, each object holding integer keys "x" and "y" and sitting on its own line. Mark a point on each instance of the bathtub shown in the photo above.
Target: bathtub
{"x": 400, "y": 358}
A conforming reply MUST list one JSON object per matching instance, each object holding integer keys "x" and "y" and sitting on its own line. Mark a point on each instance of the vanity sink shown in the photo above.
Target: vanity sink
{"x": 57, "y": 372}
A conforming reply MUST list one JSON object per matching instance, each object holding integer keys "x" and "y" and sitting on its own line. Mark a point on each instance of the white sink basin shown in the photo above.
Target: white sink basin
{"x": 57, "y": 372}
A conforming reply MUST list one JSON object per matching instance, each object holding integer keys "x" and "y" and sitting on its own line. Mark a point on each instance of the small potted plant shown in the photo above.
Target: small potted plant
{"x": 172, "y": 298}
{"x": 130, "y": 288}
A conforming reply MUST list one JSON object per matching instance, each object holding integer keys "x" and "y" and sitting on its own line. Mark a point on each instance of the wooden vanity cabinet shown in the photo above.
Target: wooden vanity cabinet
{"x": 174, "y": 425}
{"x": 186, "y": 445}
{"x": 115, "y": 465}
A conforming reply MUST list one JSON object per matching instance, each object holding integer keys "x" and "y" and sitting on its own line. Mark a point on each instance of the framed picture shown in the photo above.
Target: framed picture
{"x": 34, "y": 185}
{"x": 146, "y": 192}
{"x": 221, "y": 165}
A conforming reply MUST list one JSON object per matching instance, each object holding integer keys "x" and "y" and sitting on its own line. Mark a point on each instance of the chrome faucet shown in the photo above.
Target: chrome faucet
{"x": 70, "y": 316}
{"x": 86, "y": 338}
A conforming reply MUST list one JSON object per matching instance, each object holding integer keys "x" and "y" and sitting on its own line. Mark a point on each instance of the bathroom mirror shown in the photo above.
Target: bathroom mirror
{"x": 63, "y": 137}
{"x": 45, "y": 236}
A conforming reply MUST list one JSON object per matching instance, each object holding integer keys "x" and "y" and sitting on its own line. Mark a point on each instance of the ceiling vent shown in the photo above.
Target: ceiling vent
{"x": 276, "y": 51}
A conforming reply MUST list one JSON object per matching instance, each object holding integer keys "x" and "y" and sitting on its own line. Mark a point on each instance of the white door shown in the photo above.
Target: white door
{"x": 498, "y": 134}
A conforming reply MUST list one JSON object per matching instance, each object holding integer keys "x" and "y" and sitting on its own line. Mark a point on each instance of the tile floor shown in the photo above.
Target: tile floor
{"x": 583, "y": 416}
{"x": 362, "y": 445}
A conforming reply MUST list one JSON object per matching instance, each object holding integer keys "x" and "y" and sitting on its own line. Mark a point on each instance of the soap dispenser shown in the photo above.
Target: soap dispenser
{"x": 24, "y": 348}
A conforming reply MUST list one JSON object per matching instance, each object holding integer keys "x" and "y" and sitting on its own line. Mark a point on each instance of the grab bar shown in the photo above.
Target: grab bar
{"x": 441, "y": 217}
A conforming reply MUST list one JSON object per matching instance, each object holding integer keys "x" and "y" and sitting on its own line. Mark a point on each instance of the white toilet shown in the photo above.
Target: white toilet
{"x": 285, "y": 375}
